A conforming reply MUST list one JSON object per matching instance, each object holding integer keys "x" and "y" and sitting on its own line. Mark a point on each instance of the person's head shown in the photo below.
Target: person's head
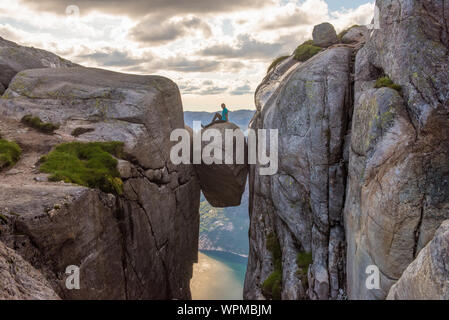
{"x": 223, "y": 106}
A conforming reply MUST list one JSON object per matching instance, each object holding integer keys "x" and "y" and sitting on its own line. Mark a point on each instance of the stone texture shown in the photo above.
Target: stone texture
{"x": 223, "y": 184}
{"x": 19, "y": 280}
{"x": 15, "y": 58}
{"x": 398, "y": 174}
{"x": 303, "y": 202}
{"x": 140, "y": 245}
{"x": 427, "y": 277}
{"x": 355, "y": 35}
{"x": 324, "y": 35}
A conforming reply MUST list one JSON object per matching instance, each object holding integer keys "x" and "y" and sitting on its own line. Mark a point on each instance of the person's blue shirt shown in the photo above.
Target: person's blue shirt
{"x": 224, "y": 114}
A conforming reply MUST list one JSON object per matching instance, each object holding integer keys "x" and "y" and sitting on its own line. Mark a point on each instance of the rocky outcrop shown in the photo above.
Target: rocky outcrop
{"x": 138, "y": 245}
{"x": 302, "y": 204}
{"x": 427, "y": 277}
{"x": 355, "y": 34}
{"x": 324, "y": 35}
{"x": 371, "y": 153}
{"x": 20, "y": 281}
{"x": 398, "y": 173}
{"x": 223, "y": 184}
{"x": 15, "y": 58}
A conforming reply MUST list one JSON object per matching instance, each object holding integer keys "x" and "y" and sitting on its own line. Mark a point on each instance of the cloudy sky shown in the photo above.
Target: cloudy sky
{"x": 215, "y": 50}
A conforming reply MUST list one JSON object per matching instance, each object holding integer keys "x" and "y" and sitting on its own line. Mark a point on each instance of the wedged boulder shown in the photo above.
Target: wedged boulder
{"x": 138, "y": 245}
{"x": 355, "y": 35}
{"x": 324, "y": 35}
{"x": 223, "y": 184}
{"x": 398, "y": 191}
{"x": 302, "y": 203}
{"x": 15, "y": 58}
{"x": 427, "y": 277}
{"x": 20, "y": 281}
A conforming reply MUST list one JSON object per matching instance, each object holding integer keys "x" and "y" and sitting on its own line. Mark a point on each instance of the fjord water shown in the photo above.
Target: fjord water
{"x": 218, "y": 276}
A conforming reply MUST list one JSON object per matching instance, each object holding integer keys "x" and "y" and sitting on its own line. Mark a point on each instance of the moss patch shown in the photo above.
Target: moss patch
{"x": 38, "y": 124}
{"x": 272, "y": 286}
{"x": 386, "y": 82}
{"x": 303, "y": 260}
{"x": 10, "y": 153}
{"x": 87, "y": 164}
{"x": 276, "y": 62}
{"x": 306, "y": 51}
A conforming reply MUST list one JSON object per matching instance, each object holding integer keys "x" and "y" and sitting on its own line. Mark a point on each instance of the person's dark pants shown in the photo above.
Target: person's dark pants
{"x": 217, "y": 119}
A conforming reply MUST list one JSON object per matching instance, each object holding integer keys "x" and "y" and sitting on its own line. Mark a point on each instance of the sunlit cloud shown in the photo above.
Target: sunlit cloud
{"x": 214, "y": 50}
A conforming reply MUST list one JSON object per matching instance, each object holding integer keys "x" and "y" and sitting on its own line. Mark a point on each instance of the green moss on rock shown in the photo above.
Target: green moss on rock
{"x": 306, "y": 51}
{"x": 276, "y": 62}
{"x": 386, "y": 82}
{"x": 87, "y": 164}
{"x": 38, "y": 124}
{"x": 303, "y": 260}
{"x": 272, "y": 286}
{"x": 10, "y": 153}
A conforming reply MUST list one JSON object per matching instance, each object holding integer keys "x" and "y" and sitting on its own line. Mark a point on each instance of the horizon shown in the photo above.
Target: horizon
{"x": 215, "y": 52}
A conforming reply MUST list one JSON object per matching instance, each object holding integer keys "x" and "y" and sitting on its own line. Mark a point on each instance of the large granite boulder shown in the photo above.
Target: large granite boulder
{"x": 398, "y": 190}
{"x": 223, "y": 184}
{"x": 138, "y": 245}
{"x": 427, "y": 277}
{"x": 302, "y": 203}
{"x": 15, "y": 58}
{"x": 20, "y": 281}
{"x": 324, "y": 35}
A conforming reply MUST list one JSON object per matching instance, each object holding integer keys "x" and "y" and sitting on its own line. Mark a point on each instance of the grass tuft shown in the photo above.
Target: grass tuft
{"x": 276, "y": 62}
{"x": 306, "y": 51}
{"x": 38, "y": 124}
{"x": 272, "y": 286}
{"x": 303, "y": 260}
{"x": 87, "y": 164}
{"x": 10, "y": 153}
{"x": 345, "y": 31}
{"x": 385, "y": 82}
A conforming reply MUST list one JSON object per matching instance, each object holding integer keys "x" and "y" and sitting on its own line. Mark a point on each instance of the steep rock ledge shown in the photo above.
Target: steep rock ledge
{"x": 310, "y": 104}
{"x": 398, "y": 190}
{"x": 140, "y": 245}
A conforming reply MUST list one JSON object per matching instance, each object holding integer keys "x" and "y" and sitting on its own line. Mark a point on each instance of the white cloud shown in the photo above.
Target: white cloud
{"x": 212, "y": 50}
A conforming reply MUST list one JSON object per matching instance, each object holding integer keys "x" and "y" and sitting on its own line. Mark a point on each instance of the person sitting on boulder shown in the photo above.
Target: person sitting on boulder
{"x": 219, "y": 118}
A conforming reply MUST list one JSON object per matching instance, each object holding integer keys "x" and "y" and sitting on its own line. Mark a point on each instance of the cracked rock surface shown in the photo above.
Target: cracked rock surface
{"x": 398, "y": 177}
{"x": 139, "y": 245}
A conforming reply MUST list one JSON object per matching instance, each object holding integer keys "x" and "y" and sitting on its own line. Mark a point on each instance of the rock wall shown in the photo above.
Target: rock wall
{"x": 398, "y": 178}
{"x": 139, "y": 245}
{"x": 363, "y": 174}
{"x": 427, "y": 277}
{"x": 19, "y": 280}
{"x": 310, "y": 105}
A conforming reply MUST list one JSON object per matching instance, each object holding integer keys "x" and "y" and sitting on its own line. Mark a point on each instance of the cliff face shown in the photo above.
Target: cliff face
{"x": 363, "y": 173}
{"x": 137, "y": 245}
{"x": 302, "y": 204}
{"x": 398, "y": 191}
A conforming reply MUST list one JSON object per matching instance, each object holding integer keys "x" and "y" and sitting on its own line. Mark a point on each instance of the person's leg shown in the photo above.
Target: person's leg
{"x": 216, "y": 119}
